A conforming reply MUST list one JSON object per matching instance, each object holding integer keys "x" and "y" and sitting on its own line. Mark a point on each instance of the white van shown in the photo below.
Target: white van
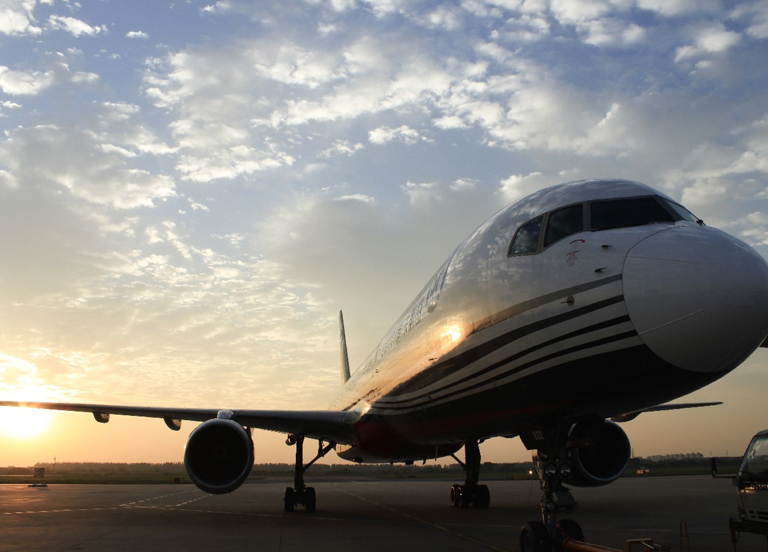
{"x": 752, "y": 483}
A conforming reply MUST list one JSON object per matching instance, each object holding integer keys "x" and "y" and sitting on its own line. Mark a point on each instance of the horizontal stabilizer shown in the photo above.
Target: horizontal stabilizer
{"x": 660, "y": 408}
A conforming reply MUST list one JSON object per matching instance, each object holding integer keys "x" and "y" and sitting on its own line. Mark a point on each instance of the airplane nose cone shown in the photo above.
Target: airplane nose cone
{"x": 697, "y": 297}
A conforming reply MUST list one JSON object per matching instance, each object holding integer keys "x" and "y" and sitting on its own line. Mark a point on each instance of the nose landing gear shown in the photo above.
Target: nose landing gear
{"x": 553, "y": 464}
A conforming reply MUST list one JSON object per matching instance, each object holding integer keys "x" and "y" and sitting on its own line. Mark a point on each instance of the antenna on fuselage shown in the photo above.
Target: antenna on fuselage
{"x": 343, "y": 350}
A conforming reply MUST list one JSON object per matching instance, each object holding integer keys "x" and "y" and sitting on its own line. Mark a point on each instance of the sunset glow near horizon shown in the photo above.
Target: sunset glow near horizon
{"x": 190, "y": 191}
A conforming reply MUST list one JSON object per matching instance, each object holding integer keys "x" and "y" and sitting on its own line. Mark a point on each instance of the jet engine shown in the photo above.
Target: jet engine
{"x": 600, "y": 453}
{"x": 218, "y": 456}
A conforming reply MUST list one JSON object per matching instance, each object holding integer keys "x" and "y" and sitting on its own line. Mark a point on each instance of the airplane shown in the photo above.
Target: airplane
{"x": 578, "y": 307}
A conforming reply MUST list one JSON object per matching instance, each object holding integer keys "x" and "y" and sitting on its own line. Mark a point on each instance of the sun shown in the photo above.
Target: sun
{"x": 24, "y": 423}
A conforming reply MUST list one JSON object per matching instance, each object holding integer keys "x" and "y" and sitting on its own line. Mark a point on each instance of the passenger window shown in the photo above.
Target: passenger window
{"x": 562, "y": 223}
{"x": 621, "y": 213}
{"x": 526, "y": 238}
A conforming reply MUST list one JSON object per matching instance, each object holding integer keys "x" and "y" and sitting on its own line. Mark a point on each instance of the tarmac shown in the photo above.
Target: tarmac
{"x": 361, "y": 516}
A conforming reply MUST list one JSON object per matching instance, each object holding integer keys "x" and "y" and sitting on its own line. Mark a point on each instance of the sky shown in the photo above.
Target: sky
{"x": 190, "y": 191}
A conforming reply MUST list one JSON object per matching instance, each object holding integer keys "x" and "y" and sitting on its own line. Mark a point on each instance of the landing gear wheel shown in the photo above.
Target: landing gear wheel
{"x": 534, "y": 538}
{"x": 568, "y": 528}
{"x": 462, "y": 496}
{"x": 309, "y": 499}
{"x": 289, "y": 499}
{"x": 482, "y": 496}
{"x": 455, "y": 493}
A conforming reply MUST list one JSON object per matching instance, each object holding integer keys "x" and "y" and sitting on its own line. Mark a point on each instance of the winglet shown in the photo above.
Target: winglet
{"x": 343, "y": 350}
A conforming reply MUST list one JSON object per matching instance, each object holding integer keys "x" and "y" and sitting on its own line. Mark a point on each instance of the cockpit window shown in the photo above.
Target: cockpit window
{"x": 683, "y": 213}
{"x": 621, "y": 213}
{"x": 526, "y": 238}
{"x": 563, "y": 222}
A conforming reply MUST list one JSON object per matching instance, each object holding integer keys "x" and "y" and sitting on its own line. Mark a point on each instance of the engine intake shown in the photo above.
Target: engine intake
{"x": 218, "y": 456}
{"x": 601, "y": 453}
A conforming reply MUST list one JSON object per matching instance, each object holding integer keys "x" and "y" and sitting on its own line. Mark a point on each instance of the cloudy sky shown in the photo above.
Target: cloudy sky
{"x": 190, "y": 191}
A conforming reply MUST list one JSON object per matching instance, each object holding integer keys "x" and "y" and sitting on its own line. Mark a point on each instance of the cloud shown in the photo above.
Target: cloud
{"x": 219, "y": 135}
{"x": 114, "y": 124}
{"x": 443, "y": 17}
{"x": 525, "y": 28}
{"x": 449, "y": 122}
{"x": 758, "y": 13}
{"x": 16, "y": 17}
{"x": 464, "y": 184}
{"x": 579, "y": 11}
{"x": 74, "y": 26}
{"x": 381, "y": 8}
{"x": 714, "y": 39}
{"x": 341, "y": 147}
{"x": 404, "y": 133}
{"x": 672, "y": 8}
{"x": 75, "y": 160}
{"x": 356, "y": 197}
{"x": 517, "y": 186}
{"x": 292, "y": 64}
{"x": 422, "y": 193}
{"x": 137, "y": 34}
{"x": 25, "y": 83}
{"x": 380, "y": 83}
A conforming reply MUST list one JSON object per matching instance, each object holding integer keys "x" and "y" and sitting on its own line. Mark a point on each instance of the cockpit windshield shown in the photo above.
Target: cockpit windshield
{"x": 684, "y": 213}
{"x": 756, "y": 459}
{"x": 621, "y": 213}
{"x": 526, "y": 238}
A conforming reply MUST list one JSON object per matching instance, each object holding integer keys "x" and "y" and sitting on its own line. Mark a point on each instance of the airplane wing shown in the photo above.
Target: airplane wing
{"x": 329, "y": 425}
{"x": 626, "y": 417}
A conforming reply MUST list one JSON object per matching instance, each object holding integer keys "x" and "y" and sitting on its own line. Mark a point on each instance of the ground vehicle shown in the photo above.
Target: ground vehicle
{"x": 752, "y": 483}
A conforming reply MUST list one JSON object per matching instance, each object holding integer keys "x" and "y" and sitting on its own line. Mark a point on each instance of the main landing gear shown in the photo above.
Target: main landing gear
{"x": 300, "y": 494}
{"x": 462, "y": 496}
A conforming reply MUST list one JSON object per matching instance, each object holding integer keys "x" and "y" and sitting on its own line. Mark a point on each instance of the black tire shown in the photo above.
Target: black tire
{"x": 462, "y": 496}
{"x": 289, "y": 498}
{"x": 534, "y": 538}
{"x": 454, "y": 496}
{"x": 309, "y": 499}
{"x": 483, "y": 496}
{"x": 568, "y": 528}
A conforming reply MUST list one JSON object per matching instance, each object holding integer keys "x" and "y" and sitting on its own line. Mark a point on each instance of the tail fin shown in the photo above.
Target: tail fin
{"x": 343, "y": 350}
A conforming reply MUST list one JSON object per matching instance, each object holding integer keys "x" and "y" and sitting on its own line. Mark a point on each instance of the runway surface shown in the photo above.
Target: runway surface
{"x": 369, "y": 516}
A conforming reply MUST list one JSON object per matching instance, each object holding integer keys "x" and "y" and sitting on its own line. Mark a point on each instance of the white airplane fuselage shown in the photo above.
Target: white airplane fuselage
{"x": 615, "y": 317}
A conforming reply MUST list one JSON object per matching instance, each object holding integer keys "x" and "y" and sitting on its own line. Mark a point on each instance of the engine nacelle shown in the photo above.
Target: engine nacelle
{"x": 600, "y": 453}
{"x": 218, "y": 456}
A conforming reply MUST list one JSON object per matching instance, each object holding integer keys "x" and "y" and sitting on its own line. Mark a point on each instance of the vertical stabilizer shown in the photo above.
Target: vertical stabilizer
{"x": 343, "y": 350}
